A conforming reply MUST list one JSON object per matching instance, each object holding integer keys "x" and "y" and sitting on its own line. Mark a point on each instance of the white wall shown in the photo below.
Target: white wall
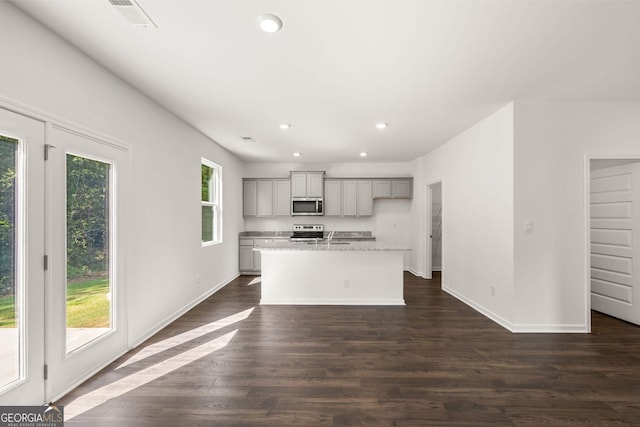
{"x": 552, "y": 141}
{"x": 476, "y": 170}
{"x": 50, "y": 78}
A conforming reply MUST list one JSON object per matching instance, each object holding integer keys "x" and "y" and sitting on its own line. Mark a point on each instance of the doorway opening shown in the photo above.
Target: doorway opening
{"x": 614, "y": 238}
{"x": 433, "y": 241}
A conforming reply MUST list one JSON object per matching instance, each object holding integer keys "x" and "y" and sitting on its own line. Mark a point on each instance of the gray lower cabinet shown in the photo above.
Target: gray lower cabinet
{"x": 251, "y": 260}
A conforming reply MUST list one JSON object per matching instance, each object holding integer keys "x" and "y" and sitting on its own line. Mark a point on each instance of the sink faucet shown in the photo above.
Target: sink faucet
{"x": 330, "y": 236}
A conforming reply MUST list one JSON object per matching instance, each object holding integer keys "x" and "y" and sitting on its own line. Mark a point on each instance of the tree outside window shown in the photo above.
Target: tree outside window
{"x": 211, "y": 202}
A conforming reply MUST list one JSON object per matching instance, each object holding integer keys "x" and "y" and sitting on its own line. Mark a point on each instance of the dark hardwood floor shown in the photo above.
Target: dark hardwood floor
{"x": 435, "y": 362}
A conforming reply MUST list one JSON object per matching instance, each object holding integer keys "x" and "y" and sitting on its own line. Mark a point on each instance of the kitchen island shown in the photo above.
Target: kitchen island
{"x": 332, "y": 273}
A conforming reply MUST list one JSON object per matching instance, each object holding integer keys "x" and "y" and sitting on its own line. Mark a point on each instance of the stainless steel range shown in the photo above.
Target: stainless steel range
{"x": 307, "y": 232}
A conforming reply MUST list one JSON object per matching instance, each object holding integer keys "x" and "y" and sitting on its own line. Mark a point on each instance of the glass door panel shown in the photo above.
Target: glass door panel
{"x": 87, "y": 189}
{"x": 11, "y": 305}
{"x": 88, "y": 290}
{"x": 21, "y": 260}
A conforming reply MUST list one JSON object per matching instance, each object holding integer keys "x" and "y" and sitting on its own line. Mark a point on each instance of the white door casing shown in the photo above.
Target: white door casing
{"x": 615, "y": 241}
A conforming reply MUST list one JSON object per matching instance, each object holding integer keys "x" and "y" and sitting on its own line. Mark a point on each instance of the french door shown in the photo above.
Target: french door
{"x": 62, "y": 257}
{"x": 22, "y": 301}
{"x": 86, "y": 185}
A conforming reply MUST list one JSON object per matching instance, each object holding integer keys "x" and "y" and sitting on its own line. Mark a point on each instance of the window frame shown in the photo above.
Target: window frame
{"x": 215, "y": 201}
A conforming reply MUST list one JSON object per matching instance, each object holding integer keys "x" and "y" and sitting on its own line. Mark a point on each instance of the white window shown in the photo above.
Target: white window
{"x": 211, "y": 203}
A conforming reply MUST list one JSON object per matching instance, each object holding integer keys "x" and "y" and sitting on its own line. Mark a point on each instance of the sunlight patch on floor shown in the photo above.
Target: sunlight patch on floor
{"x": 184, "y": 337}
{"x": 255, "y": 281}
{"x": 97, "y": 397}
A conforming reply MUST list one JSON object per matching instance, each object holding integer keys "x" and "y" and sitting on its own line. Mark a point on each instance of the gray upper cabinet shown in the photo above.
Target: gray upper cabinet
{"x": 282, "y": 197}
{"x": 342, "y": 197}
{"x": 365, "y": 198}
{"x": 332, "y": 198}
{"x": 266, "y": 197}
{"x": 307, "y": 184}
{"x": 399, "y": 188}
{"x": 381, "y": 189}
{"x": 250, "y": 198}
{"x": 349, "y": 198}
{"x": 357, "y": 198}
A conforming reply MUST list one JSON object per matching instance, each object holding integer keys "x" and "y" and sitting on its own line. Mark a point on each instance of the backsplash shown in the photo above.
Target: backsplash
{"x": 389, "y": 223}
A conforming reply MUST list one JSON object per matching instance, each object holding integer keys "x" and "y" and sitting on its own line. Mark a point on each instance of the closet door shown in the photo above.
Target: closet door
{"x": 615, "y": 241}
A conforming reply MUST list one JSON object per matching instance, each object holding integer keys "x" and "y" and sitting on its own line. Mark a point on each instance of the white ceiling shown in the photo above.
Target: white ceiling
{"x": 430, "y": 69}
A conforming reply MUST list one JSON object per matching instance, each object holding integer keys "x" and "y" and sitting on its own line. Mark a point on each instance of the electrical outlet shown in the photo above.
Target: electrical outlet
{"x": 346, "y": 284}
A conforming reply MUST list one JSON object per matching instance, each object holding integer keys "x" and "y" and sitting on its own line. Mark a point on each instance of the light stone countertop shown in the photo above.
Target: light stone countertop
{"x": 339, "y": 235}
{"x": 331, "y": 246}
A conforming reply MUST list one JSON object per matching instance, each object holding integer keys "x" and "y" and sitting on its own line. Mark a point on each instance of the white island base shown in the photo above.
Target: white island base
{"x": 332, "y": 277}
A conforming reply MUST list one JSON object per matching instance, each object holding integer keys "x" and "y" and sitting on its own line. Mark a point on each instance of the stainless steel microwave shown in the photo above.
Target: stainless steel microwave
{"x": 307, "y": 206}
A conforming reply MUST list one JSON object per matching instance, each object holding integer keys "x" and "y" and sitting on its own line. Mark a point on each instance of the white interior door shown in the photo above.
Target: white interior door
{"x": 86, "y": 197}
{"x": 21, "y": 260}
{"x": 615, "y": 241}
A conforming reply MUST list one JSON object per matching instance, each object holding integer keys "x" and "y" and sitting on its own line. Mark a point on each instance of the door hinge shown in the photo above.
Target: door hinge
{"x": 46, "y": 372}
{"x": 46, "y": 150}
{"x": 46, "y": 262}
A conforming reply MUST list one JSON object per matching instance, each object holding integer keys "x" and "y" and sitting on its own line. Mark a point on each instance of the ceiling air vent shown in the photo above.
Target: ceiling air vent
{"x": 133, "y": 13}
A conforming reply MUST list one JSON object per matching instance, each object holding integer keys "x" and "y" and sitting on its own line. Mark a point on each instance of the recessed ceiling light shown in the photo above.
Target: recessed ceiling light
{"x": 285, "y": 125}
{"x": 381, "y": 125}
{"x": 269, "y": 23}
{"x": 363, "y": 154}
{"x": 296, "y": 154}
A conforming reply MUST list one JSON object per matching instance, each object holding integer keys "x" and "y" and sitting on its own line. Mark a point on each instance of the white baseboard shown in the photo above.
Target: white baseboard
{"x": 517, "y": 328}
{"x": 84, "y": 378}
{"x": 176, "y": 314}
{"x": 416, "y": 273}
{"x": 550, "y": 329}
{"x": 482, "y": 310}
{"x": 332, "y": 301}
